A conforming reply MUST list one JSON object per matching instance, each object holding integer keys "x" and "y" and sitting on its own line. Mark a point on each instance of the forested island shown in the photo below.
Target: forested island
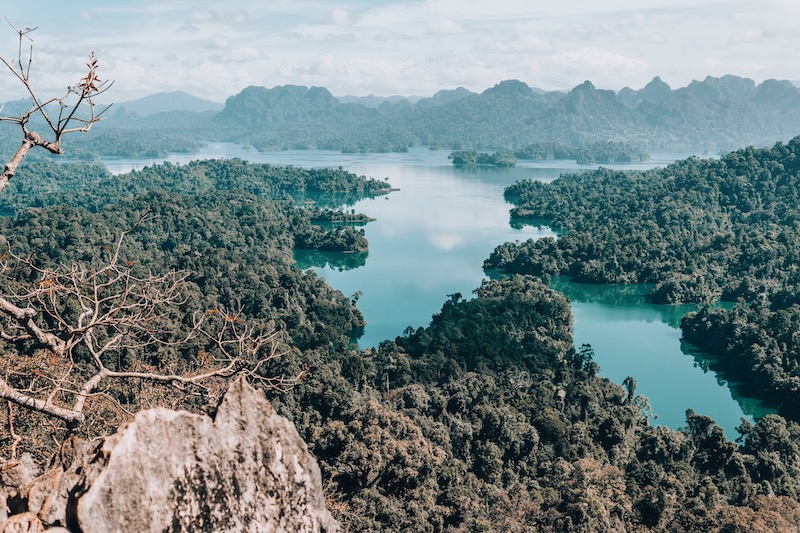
{"x": 700, "y": 230}
{"x": 465, "y": 158}
{"x": 597, "y": 152}
{"x": 487, "y": 419}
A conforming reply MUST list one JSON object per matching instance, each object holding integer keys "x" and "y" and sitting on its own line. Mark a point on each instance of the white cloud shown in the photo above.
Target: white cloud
{"x": 127, "y": 71}
{"x": 202, "y": 15}
{"x": 340, "y": 17}
{"x": 602, "y": 67}
{"x": 351, "y": 73}
{"x": 595, "y": 59}
{"x": 392, "y": 36}
{"x": 240, "y": 17}
{"x": 218, "y": 41}
{"x": 526, "y": 44}
{"x": 341, "y": 38}
{"x": 417, "y": 47}
{"x": 245, "y": 54}
{"x": 294, "y": 35}
{"x": 446, "y": 27}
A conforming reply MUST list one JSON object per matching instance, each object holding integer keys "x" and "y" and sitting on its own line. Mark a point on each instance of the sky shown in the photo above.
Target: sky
{"x": 214, "y": 49}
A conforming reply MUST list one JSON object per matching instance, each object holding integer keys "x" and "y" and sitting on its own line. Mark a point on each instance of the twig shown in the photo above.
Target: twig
{"x": 16, "y": 438}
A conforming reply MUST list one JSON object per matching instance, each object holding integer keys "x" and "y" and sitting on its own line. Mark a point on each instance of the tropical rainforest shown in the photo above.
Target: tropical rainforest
{"x": 489, "y": 418}
{"x": 699, "y": 230}
{"x": 473, "y": 157}
{"x": 596, "y": 152}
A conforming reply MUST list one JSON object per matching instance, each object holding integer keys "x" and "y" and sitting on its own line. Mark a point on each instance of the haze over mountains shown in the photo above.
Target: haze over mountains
{"x": 715, "y": 114}
{"x": 163, "y": 102}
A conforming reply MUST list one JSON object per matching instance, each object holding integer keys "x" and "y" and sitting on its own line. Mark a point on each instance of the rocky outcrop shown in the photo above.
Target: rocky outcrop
{"x": 247, "y": 469}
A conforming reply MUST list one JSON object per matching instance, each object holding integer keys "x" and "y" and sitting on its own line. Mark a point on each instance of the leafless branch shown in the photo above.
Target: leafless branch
{"x": 62, "y": 413}
{"x": 77, "y": 110}
{"x": 81, "y": 332}
{"x": 16, "y": 439}
{"x": 114, "y": 308}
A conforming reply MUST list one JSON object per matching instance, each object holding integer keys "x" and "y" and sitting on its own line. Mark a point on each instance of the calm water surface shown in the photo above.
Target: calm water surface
{"x": 633, "y": 338}
{"x": 431, "y": 237}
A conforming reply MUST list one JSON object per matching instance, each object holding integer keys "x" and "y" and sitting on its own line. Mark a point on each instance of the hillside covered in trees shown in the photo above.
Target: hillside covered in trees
{"x": 699, "y": 231}
{"x": 715, "y": 114}
{"x": 231, "y": 226}
{"x": 489, "y": 419}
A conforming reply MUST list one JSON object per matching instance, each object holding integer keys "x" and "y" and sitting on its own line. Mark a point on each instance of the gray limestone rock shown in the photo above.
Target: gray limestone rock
{"x": 247, "y": 469}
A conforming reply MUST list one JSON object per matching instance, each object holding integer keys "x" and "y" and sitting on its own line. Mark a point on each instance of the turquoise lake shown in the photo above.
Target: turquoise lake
{"x": 430, "y": 239}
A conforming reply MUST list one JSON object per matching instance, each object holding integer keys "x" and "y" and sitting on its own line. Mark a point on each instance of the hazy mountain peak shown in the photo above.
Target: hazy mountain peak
{"x": 509, "y": 87}
{"x": 777, "y": 93}
{"x": 728, "y": 87}
{"x": 168, "y": 101}
{"x": 585, "y": 86}
{"x": 715, "y": 113}
{"x": 657, "y": 84}
{"x": 376, "y": 101}
{"x": 452, "y": 94}
{"x": 655, "y": 91}
{"x": 287, "y": 104}
{"x": 445, "y": 96}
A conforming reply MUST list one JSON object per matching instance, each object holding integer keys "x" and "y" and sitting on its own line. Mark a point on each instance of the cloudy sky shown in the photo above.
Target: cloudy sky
{"x": 213, "y": 49}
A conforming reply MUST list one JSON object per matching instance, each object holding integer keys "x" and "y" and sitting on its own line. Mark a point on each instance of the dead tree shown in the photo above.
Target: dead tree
{"x": 83, "y": 317}
{"x": 67, "y": 332}
{"x": 75, "y": 110}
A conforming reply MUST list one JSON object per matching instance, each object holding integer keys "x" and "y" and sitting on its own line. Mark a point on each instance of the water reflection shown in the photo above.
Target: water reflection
{"x": 429, "y": 240}
{"x": 518, "y": 223}
{"x": 333, "y": 260}
{"x": 634, "y": 338}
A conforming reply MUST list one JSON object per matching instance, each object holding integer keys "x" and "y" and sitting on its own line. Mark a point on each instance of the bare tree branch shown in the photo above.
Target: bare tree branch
{"x": 16, "y": 439}
{"x": 24, "y": 318}
{"x": 69, "y": 416}
{"x": 77, "y": 110}
{"x": 82, "y": 332}
{"x": 108, "y": 309}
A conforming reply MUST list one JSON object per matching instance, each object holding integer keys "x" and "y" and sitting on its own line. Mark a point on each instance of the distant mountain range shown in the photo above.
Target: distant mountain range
{"x": 164, "y": 102}
{"x": 715, "y": 114}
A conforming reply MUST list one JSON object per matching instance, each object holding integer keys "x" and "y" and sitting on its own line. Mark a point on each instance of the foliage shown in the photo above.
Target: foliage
{"x": 488, "y": 419}
{"x": 596, "y": 152}
{"x": 234, "y": 245}
{"x": 700, "y": 231}
{"x": 472, "y": 157}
